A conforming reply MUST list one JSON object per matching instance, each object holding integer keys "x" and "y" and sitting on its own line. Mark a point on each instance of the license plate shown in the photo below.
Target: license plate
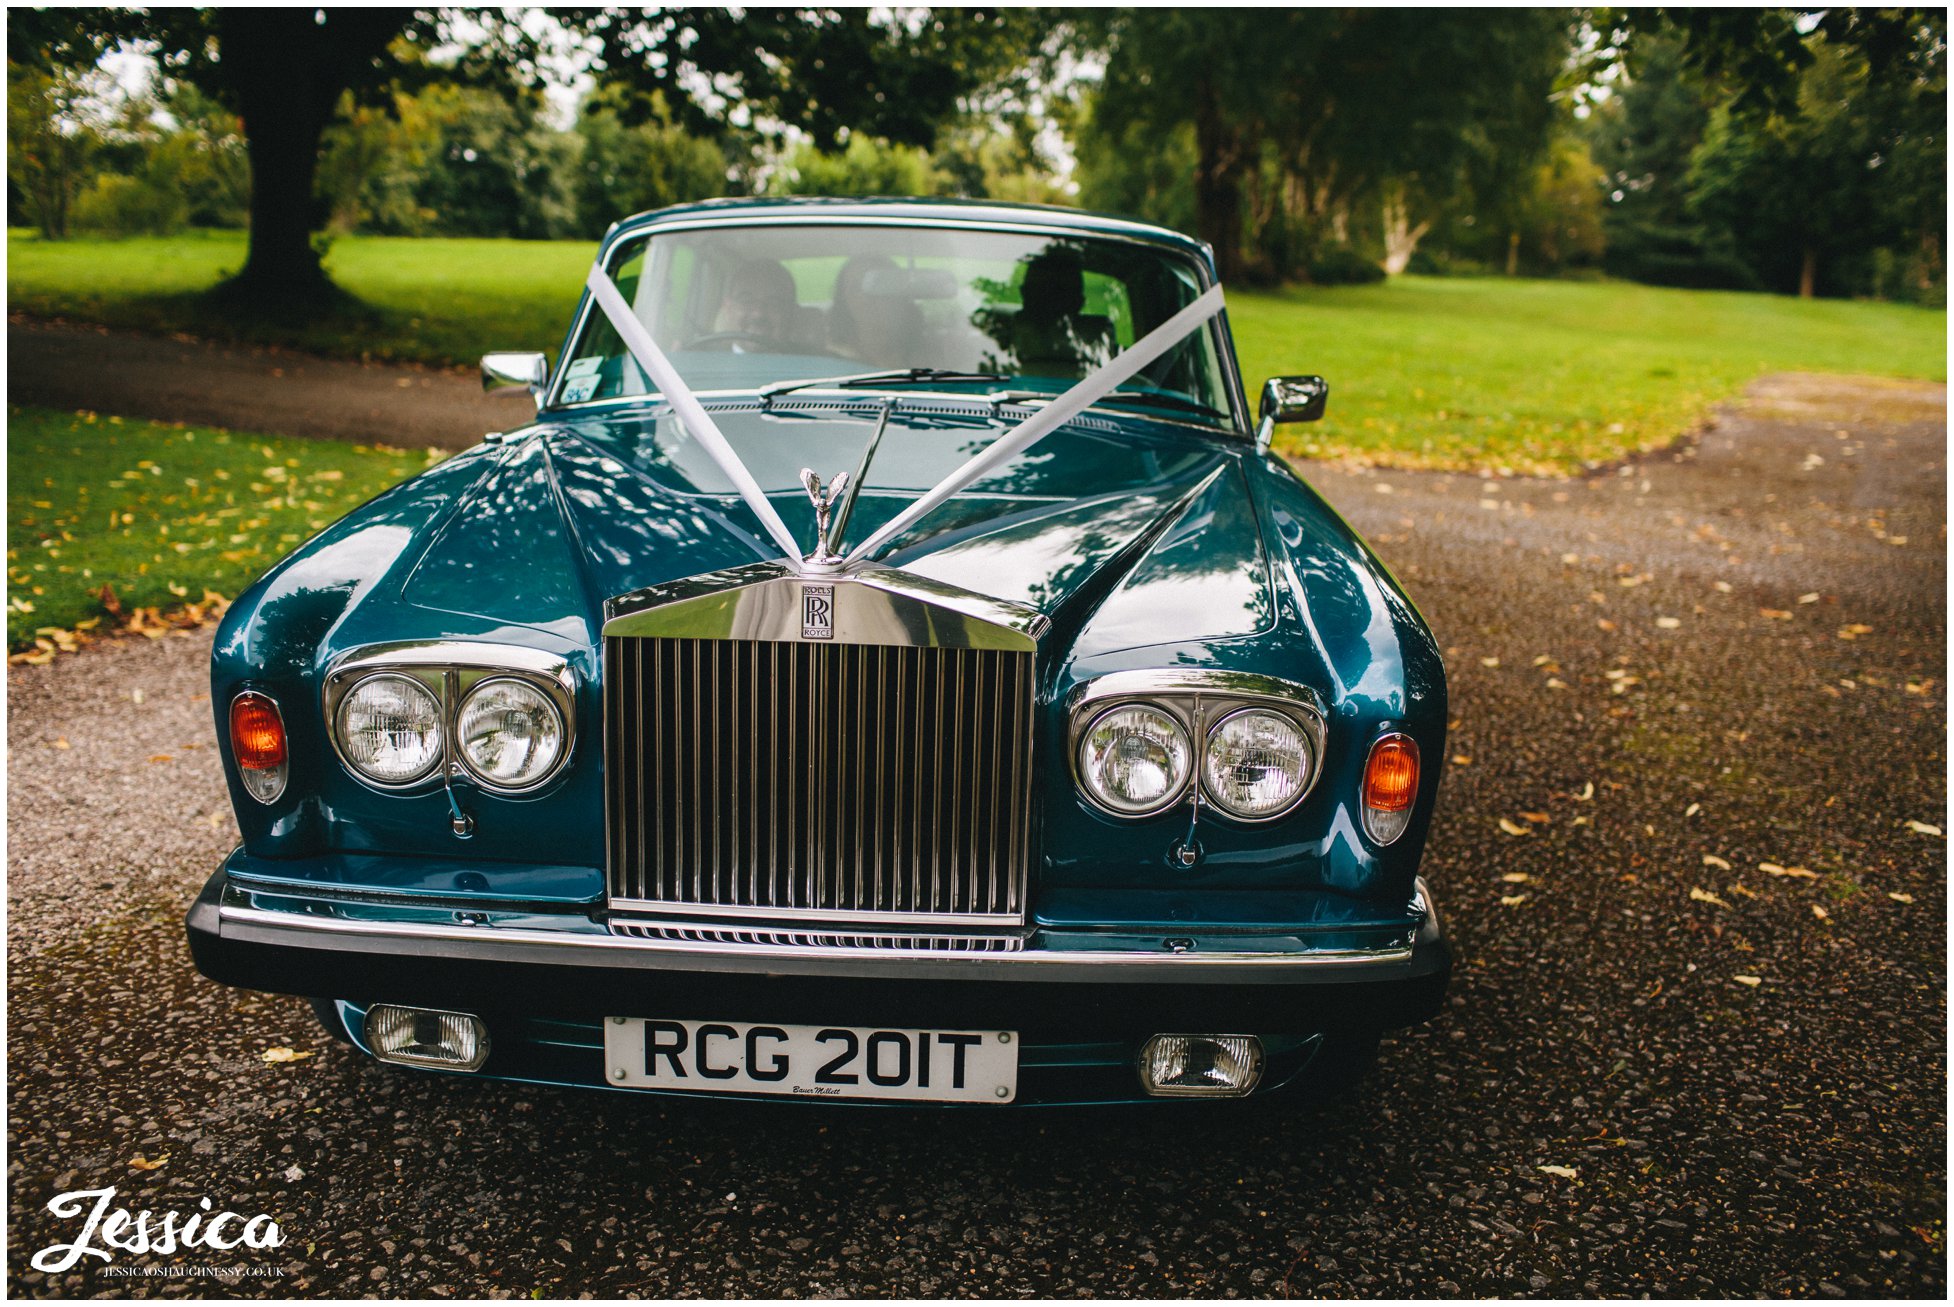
{"x": 834, "y": 1062}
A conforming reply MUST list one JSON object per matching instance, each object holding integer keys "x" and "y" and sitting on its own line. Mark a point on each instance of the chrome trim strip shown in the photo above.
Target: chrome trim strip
{"x": 676, "y": 955}
{"x": 786, "y": 917}
{"x": 872, "y": 605}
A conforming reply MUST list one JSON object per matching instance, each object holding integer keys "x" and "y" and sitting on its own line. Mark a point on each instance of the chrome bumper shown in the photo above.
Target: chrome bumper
{"x": 229, "y": 914}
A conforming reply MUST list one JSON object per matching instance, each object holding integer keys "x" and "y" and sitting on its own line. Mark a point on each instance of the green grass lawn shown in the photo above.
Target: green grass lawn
{"x": 160, "y": 512}
{"x": 1526, "y": 376}
{"x": 446, "y": 301}
{"x": 1546, "y": 376}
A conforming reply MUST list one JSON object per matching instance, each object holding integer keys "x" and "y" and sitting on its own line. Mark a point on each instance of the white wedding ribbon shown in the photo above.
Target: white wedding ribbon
{"x": 686, "y": 404}
{"x": 1094, "y": 387}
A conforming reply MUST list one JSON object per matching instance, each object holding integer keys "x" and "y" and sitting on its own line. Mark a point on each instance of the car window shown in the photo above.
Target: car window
{"x": 740, "y": 307}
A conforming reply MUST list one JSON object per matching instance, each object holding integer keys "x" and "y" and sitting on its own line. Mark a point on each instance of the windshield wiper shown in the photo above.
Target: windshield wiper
{"x": 902, "y": 375}
{"x": 1169, "y": 401}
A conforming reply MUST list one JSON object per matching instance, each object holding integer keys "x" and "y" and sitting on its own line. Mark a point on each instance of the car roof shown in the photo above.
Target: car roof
{"x": 985, "y": 212}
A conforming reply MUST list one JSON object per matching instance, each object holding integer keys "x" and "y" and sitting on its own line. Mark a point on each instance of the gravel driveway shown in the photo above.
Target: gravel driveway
{"x": 1734, "y": 651}
{"x": 182, "y": 379}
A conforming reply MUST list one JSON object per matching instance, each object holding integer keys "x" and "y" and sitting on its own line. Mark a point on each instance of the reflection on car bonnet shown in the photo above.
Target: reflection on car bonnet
{"x": 1062, "y": 409}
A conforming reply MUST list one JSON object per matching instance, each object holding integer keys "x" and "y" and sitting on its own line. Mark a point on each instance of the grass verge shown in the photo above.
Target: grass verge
{"x": 1541, "y": 377}
{"x": 1546, "y": 377}
{"x": 168, "y": 517}
{"x": 443, "y": 301}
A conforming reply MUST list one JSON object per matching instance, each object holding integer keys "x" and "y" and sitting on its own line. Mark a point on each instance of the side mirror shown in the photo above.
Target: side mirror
{"x": 505, "y": 374}
{"x": 1290, "y": 399}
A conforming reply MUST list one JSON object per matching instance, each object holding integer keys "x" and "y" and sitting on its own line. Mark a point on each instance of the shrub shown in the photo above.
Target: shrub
{"x": 1340, "y": 265}
{"x": 126, "y": 206}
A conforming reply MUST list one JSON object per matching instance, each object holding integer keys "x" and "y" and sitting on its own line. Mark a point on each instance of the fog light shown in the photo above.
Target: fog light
{"x": 414, "y": 1036}
{"x": 1201, "y": 1066}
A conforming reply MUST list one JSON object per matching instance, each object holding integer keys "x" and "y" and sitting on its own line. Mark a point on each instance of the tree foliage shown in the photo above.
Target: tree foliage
{"x": 1300, "y": 116}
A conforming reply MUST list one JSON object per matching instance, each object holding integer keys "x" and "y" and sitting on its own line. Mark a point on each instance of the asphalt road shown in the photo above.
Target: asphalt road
{"x": 182, "y": 379}
{"x": 1735, "y": 650}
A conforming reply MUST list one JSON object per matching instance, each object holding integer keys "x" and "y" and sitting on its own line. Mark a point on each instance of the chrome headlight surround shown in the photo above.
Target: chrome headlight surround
{"x": 1096, "y": 792}
{"x": 451, "y": 670}
{"x": 1199, "y": 699}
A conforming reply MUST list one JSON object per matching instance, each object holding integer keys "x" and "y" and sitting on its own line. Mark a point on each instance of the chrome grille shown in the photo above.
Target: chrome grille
{"x": 749, "y": 938}
{"x": 817, "y": 781}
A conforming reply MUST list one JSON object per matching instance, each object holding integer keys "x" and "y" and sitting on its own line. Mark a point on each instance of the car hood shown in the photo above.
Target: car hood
{"x": 1117, "y": 530}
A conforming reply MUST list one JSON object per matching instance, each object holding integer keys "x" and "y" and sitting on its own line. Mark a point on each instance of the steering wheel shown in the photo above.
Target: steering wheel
{"x": 726, "y": 340}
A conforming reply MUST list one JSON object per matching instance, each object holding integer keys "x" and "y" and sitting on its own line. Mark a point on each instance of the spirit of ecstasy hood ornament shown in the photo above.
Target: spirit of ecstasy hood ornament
{"x": 823, "y": 556}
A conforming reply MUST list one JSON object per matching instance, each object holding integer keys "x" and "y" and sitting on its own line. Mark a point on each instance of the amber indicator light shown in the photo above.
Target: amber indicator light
{"x": 257, "y": 732}
{"x": 1391, "y": 775}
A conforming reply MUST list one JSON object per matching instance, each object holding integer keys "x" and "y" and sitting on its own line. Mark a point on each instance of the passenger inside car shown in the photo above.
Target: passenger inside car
{"x": 1051, "y": 335}
{"x": 868, "y": 323}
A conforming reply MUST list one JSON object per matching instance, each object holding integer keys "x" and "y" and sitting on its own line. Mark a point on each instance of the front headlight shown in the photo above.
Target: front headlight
{"x": 389, "y": 729}
{"x": 1257, "y": 763}
{"x": 1133, "y": 760}
{"x": 509, "y": 734}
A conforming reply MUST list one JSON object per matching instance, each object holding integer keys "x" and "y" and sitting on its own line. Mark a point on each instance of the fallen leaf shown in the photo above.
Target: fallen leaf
{"x": 1704, "y": 896}
{"x": 1668, "y": 623}
{"x": 1489, "y": 662}
{"x": 1462, "y": 760}
{"x": 1513, "y": 828}
{"x": 1820, "y": 913}
{"x": 1898, "y": 897}
{"x": 142, "y": 1163}
{"x": 1811, "y": 598}
{"x": 1692, "y": 809}
{"x": 1723, "y": 587}
{"x": 1512, "y": 900}
{"x": 1587, "y": 792}
{"x": 1564, "y": 1172}
{"x": 1604, "y": 623}
{"x": 1752, "y": 981}
{"x": 1775, "y": 614}
{"x": 1922, "y": 828}
{"x": 1799, "y": 872}
{"x": 61, "y": 742}
{"x": 282, "y": 1054}
{"x": 1537, "y": 818}
{"x": 1712, "y": 860}
{"x": 1516, "y": 878}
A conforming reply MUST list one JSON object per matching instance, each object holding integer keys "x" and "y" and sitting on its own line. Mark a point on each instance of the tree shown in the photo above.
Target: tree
{"x": 49, "y": 143}
{"x": 1774, "y": 147}
{"x": 1299, "y": 114}
{"x": 647, "y": 162}
{"x": 1211, "y": 71}
{"x": 285, "y": 71}
{"x": 1799, "y": 192}
{"x": 282, "y": 71}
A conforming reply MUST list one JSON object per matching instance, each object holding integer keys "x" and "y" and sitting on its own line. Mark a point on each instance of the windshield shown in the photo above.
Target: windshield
{"x": 746, "y": 307}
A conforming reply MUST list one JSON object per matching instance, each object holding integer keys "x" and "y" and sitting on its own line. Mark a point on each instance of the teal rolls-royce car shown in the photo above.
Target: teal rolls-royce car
{"x": 891, "y": 666}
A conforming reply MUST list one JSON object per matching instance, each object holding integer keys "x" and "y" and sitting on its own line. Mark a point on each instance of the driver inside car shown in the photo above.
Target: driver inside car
{"x": 760, "y": 309}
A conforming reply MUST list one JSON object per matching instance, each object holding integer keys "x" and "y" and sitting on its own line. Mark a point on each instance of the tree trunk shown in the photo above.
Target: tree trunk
{"x": 285, "y": 70}
{"x": 1217, "y": 183}
{"x": 1401, "y": 235}
{"x": 1808, "y": 274}
{"x": 1513, "y": 254}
